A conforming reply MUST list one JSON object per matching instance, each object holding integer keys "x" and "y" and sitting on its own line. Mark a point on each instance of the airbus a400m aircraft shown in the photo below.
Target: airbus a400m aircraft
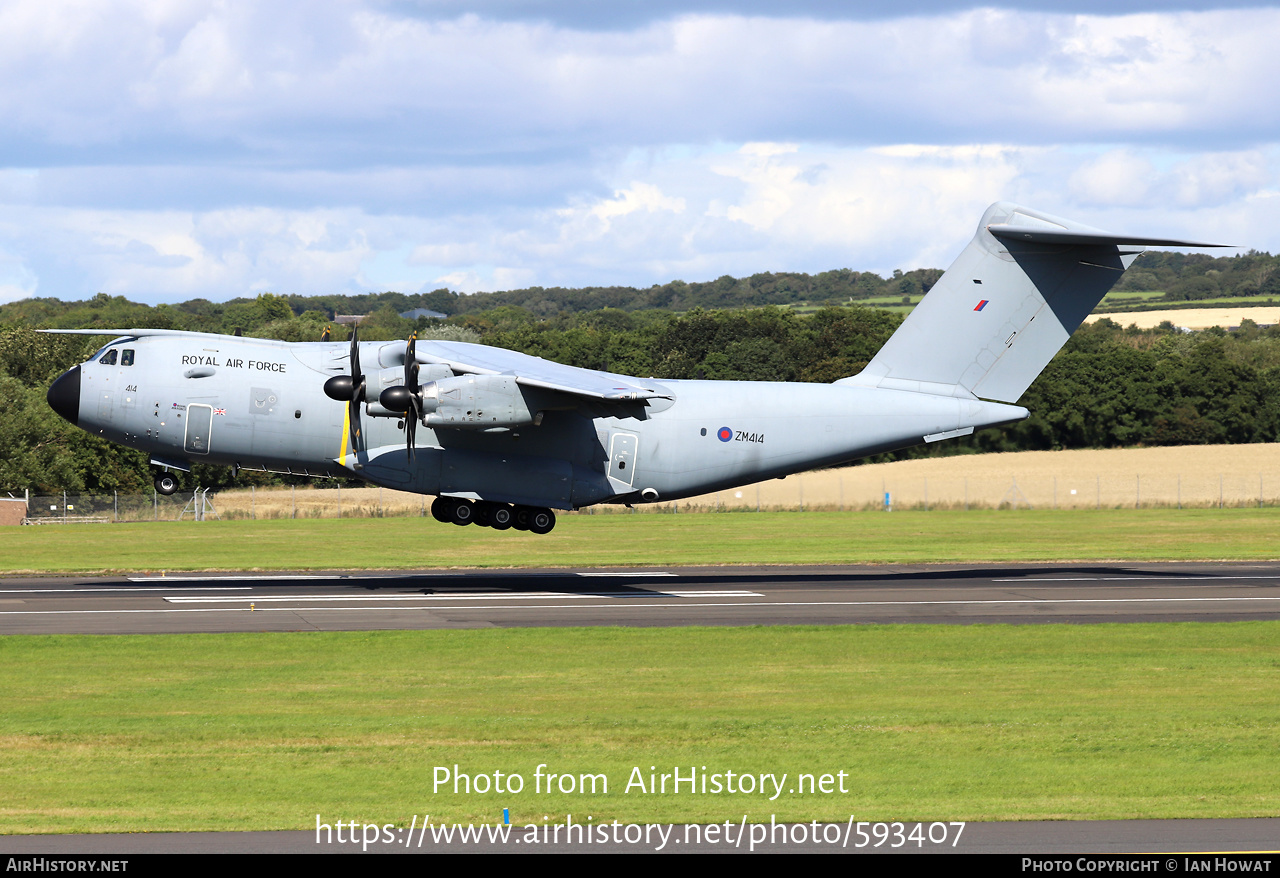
{"x": 503, "y": 439}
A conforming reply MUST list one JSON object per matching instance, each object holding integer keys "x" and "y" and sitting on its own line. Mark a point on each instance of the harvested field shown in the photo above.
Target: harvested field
{"x": 1188, "y": 476}
{"x": 1195, "y": 318}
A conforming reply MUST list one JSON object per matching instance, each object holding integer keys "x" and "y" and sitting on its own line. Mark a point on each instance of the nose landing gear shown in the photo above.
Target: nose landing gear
{"x": 166, "y": 484}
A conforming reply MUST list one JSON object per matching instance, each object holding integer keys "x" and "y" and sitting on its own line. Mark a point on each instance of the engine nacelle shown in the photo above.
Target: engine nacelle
{"x": 476, "y": 402}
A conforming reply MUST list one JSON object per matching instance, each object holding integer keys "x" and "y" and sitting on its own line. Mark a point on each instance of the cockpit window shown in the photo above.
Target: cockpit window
{"x": 109, "y": 358}
{"x": 126, "y": 358}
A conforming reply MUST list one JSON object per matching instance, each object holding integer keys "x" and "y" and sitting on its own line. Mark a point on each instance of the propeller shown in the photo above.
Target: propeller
{"x": 350, "y": 389}
{"x": 407, "y": 398}
{"x": 324, "y": 336}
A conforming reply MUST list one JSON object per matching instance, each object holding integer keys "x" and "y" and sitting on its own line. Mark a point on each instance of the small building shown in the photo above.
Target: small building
{"x": 349, "y": 319}
{"x": 418, "y": 313}
{"x": 13, "y": 510}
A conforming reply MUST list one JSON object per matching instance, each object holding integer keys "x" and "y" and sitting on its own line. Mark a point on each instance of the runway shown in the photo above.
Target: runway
{"x": 427, "y": 599}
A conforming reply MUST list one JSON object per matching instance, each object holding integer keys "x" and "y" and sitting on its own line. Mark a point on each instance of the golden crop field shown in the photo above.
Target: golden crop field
{"x": 1195, "y": 318}
{"x": 1191, "y": 476}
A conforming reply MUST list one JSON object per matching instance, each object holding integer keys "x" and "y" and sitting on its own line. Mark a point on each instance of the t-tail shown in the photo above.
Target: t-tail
{"x": 1002, "y": 310}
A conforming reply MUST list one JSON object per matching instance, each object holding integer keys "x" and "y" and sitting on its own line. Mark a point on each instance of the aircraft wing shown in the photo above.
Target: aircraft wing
{"x": 531, "y": 371}
{"x": 478, "y": 359}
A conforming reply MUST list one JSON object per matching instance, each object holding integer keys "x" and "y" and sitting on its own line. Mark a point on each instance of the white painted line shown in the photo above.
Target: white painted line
{"x": 132, "y": 589}
{"x": 759, "y": 605}
{"x": 714, "y": 594}
{"x": 1169, "y": 578}
{"x": 238, "y": 578}
{"x": 630, "y": 574}
{"x": 184, "y": 599}
{"x": 543, "y": 595}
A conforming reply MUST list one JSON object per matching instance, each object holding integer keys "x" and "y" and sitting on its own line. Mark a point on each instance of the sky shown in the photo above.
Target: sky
{"x": 166, "y": 150}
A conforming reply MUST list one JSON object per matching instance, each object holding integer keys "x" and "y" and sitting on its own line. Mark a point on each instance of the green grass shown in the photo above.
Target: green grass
{"x": 651, "y": 539}
{"x": 1154, "y": 301}
{"x": 264, "y": 731}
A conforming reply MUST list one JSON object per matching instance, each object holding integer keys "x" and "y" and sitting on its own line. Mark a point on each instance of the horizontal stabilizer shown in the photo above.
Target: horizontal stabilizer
{"x": 1074, "y": 236}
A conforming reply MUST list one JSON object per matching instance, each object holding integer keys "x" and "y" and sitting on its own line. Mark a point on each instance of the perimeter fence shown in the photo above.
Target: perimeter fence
{"x": 854, "y": 489}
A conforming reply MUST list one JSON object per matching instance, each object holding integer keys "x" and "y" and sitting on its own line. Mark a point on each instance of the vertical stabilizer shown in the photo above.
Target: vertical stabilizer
{"x": 1005, "y": 306}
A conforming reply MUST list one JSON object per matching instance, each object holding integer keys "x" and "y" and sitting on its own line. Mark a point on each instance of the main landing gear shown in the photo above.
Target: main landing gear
{"x": 499, "y": 516}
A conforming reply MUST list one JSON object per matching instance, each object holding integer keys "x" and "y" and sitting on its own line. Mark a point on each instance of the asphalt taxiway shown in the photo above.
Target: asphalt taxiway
{"x": 1017, "y": 594}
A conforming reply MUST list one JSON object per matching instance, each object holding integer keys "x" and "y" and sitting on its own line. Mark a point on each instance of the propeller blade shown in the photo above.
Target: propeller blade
{"x": 411, "y": 382}
{"x": 324, "y": 336}
{"x": 357, "y": 389}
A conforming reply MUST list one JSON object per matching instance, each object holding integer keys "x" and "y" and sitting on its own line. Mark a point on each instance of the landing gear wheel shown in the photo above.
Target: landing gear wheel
{"x": 461, "y": 512}
{"x": 542, "y": 520}
{"x": 166, "y": 484}
{"x": 440, "y": 510}
{"x": 500, "y": 516}
{"x": 521, "y": 517}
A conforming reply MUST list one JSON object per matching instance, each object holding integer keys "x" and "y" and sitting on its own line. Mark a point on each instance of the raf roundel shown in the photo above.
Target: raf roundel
{"x": 725, "y": 434}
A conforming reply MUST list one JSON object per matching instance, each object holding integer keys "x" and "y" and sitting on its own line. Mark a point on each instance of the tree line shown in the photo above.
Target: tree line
{"x": 1109, "y": 387}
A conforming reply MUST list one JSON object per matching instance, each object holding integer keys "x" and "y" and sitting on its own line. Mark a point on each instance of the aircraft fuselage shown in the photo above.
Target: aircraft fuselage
{"x": 259, "y": 404}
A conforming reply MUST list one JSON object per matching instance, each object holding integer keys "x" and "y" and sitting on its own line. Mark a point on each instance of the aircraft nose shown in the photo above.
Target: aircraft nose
{"x": 64, "y": 395}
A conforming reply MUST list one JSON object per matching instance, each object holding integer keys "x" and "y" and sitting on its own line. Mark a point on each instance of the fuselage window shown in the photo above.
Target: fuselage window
{"x": 126, "y": 358}
{"x": 109, "y": 358}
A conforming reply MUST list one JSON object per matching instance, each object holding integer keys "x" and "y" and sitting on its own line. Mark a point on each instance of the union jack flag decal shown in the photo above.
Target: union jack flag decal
{"x": 219, "y": 411}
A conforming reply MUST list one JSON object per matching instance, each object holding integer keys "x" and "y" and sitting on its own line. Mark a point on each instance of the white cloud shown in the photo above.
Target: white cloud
{"x": 166, "y": 149}
{"x": 323, "y": 81}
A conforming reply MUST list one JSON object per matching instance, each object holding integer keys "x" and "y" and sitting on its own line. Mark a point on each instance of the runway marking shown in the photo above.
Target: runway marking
{"x": 1169, "y": 578}
{"x": 653, "y": 573}
{"x": 765, "y": 605}
{"x": 273, "y": 577}
{"x": 545, "y": 595}
{"x": 130, "y": 589}
{"x": 241, "y": 578}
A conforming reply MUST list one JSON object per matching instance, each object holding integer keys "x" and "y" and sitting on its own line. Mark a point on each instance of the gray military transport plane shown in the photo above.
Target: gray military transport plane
{"x": 506, "y": 438}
